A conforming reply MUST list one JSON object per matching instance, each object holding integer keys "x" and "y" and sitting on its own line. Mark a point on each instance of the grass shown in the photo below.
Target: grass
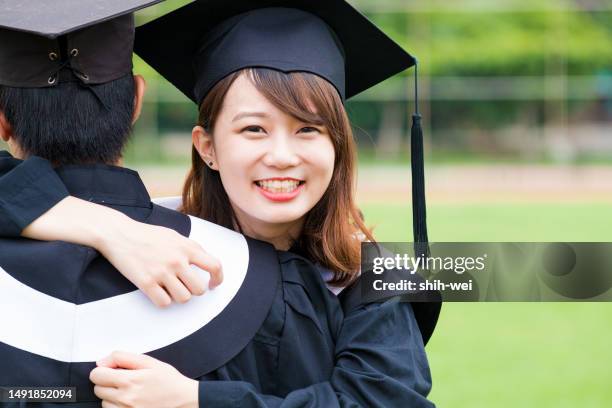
{"x": 514, "y": 354}
{"x": 496, "y": 222}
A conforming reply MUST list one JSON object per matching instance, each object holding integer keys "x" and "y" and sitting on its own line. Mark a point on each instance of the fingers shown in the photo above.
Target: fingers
{"x": 107, "y": 377}
{"x": 170, "y": 287}
{"x": 107, "y": 393}
{"x": 122, "y": 359}
{"x": 108, "y": 404}
{"x": 193, "y": 281}
{"x": 163, "y": 270}
{"x": 176, "y": 289}
{"x": 210, "y": 264}
{"x": 156, "y": 294}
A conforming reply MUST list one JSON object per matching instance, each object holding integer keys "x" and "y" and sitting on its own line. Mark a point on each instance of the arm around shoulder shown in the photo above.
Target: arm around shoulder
{"x": 28, "y": 189}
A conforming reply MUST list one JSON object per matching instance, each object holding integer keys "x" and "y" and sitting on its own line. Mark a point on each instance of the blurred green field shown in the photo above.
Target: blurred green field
{"x": 530, "y": 222}
{"x": 514, "y": 354}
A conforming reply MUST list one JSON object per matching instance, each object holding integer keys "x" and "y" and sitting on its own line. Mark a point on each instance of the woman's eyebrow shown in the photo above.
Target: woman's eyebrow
{"x": 242, "y": 115}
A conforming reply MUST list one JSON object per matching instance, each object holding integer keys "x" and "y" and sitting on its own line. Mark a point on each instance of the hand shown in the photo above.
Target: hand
{"x": 136, "y": 380}
{"x": 157, "y": 260}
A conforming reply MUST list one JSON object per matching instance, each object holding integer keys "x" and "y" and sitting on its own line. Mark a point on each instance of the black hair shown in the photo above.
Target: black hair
{"x": 68, "y": 124}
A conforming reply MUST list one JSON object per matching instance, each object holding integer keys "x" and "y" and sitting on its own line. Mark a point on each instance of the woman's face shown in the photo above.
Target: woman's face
{"x": 274, "y": 167}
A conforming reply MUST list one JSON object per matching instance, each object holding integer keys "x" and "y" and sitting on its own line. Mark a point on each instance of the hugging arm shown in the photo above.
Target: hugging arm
{"x": 380, "y": 362}
{"x": 28, "y": 189}
{"x": 34, "y": 203}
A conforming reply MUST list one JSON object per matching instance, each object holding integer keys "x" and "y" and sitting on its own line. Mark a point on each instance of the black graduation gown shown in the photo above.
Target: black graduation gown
{"x": 307, "y": 352}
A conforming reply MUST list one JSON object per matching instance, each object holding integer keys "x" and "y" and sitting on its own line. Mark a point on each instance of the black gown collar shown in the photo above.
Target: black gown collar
{"x": 104, "y": 184}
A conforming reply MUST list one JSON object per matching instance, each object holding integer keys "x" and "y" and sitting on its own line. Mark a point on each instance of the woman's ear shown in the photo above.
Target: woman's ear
{"x": 140, "y": 86}
{"x": 203, "y": 142}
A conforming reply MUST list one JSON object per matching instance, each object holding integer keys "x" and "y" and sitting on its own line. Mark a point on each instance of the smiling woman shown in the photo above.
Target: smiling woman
{"x": 274, "y": 157}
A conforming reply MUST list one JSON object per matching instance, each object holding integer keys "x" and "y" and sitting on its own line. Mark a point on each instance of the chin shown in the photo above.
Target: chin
{"x": 276, "y": 216}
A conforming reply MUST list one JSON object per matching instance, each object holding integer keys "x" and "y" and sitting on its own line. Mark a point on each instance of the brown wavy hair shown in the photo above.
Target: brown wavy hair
{"x": 334, "y": 228}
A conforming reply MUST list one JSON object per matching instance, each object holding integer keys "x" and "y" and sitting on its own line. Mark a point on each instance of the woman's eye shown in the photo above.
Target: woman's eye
{"x": 253, "y": 129}
{"x": 309, "y": 129}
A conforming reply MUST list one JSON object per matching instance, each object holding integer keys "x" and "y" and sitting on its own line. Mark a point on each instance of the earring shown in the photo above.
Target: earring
{"x": 210, "y": 163}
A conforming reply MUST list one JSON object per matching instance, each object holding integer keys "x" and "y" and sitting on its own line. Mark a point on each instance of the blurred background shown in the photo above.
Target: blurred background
{"x": 516, "y": 98}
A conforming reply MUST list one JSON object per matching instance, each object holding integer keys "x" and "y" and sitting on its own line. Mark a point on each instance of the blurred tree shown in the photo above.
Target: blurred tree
{"x": 486, "y": 67}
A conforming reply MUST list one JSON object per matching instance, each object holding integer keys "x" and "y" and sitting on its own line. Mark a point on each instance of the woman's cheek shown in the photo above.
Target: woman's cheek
{"x": 320, "y": 169}
{"x": 246, "y": 153}
{"x": 325, "y": 157}
{"x": 320, "y": 149}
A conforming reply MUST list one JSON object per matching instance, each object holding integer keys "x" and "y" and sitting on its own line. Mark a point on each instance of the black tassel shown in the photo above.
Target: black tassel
{"x": 419, "y": 222}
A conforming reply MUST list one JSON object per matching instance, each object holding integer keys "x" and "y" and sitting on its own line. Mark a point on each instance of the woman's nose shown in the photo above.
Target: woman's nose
{"x": 281, "y": 153}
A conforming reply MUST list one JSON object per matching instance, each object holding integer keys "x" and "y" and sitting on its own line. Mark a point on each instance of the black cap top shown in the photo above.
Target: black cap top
{"x": 197, "y": 45}
{"x": 93, "y": 39}
{"x": 54, "y": 18}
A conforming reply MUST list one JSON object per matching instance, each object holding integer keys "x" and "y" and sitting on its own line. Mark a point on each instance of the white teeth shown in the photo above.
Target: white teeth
{"x": 278, "y": 186}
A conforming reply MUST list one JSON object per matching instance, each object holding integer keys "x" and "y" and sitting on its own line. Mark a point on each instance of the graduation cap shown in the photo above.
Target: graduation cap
{"x": 43, "y": 43}
{"x": 199, "y": 44}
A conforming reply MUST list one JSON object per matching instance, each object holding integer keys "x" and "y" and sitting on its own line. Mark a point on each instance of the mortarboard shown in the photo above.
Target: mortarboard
{"x": 199, "y": 44}
{"x": 43, "y": 43}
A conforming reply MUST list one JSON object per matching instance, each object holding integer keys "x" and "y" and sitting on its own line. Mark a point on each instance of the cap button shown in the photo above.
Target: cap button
{"x": 53, "y": 56}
